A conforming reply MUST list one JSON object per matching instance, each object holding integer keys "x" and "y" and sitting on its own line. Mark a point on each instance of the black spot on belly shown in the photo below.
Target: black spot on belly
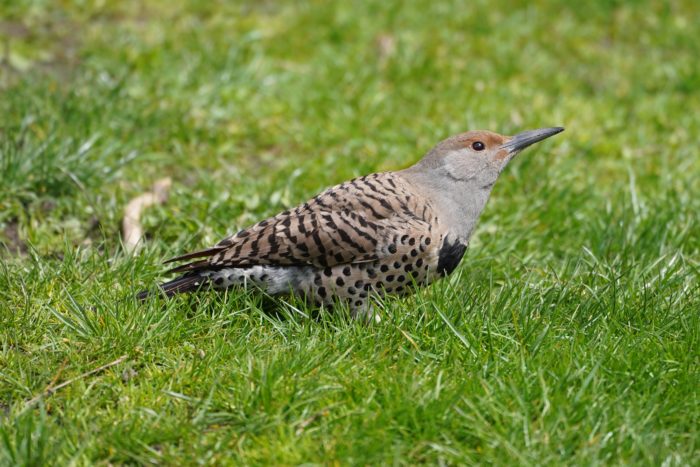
{"x": 450, "y": 256}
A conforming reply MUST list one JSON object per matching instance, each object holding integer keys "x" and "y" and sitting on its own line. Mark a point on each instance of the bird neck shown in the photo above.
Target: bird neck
{"x": 459, "y": 202}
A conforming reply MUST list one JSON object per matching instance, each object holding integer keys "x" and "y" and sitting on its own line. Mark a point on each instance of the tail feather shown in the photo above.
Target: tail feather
{"x": 197, "y": 254}
{"x": 186, "y": 283}
{"x": 194, "y": 266}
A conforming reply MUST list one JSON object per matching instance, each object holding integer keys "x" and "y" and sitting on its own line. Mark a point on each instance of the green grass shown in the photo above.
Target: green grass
{"x": 570, "y": 333}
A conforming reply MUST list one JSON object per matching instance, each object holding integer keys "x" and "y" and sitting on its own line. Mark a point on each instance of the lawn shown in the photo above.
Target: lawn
{"x": 569, "y": 334}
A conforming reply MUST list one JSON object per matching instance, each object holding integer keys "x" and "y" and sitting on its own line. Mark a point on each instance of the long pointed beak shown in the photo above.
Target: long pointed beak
{"x": 522, "y": 140}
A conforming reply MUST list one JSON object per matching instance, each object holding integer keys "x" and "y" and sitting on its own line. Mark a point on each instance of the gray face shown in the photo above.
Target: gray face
{"x": 480, "y": 156}
{"x": 459, "y": 173}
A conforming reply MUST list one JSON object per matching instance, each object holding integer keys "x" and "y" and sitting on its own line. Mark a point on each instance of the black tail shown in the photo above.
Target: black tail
{"x": 186, "y": 283}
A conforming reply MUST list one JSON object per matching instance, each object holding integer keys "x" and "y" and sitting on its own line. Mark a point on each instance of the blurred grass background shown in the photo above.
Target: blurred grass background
{"x": 569, "y": 334}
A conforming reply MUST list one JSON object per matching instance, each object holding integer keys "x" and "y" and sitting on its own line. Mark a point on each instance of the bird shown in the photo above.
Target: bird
{"x": 386, "y": 233}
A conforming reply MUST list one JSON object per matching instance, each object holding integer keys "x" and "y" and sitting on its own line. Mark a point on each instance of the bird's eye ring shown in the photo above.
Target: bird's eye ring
{"x": 478, "y": 146}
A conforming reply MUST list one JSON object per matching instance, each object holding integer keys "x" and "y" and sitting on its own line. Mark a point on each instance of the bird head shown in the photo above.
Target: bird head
{"x": 480, "y": 156}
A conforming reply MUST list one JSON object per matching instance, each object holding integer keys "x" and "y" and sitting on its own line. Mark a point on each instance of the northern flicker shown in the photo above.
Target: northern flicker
{"x": 379, "y": 234}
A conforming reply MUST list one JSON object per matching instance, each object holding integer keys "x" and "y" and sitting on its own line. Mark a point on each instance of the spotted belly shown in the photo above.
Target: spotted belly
{"x": 275, "y": 280}
{"x": 353, "y": 283}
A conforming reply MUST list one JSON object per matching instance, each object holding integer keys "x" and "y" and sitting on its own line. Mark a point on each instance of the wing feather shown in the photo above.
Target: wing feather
{"x": 357, "y": 221}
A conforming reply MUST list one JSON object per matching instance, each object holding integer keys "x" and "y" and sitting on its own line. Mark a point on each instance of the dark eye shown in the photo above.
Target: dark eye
{"x": 478, "y": 146}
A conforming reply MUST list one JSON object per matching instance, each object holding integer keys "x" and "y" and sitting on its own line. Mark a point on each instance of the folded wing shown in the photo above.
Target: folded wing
{"x": 359, "y": 221}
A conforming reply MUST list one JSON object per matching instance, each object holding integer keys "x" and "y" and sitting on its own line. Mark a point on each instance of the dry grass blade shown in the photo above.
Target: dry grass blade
{"x": 50, "y": 389}
{"x": 132, "y": 231}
